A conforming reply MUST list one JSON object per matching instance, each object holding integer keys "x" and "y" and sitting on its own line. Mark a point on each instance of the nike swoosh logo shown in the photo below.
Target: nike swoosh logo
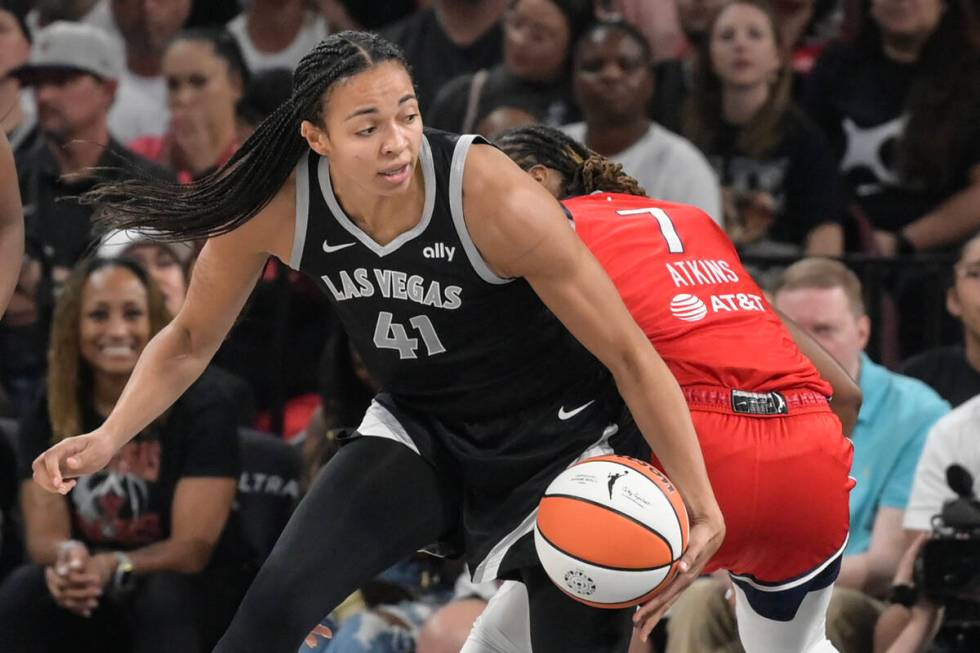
{"x": 335, "y": 248}
{"x": 569, "y": 414}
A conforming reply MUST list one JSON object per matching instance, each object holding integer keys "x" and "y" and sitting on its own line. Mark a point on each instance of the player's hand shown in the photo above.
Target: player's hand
{"x": 55, "y": 469}
{"x": 707, "y": 534}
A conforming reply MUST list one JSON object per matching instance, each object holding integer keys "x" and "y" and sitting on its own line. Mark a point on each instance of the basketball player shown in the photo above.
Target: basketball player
{"x": 442, "y": 258}
{"x": 11, "y": 225}
{"x": 775, "y": 452}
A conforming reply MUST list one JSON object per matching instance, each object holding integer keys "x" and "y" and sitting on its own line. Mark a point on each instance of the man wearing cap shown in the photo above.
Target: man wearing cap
{"x": 72, "y": 70}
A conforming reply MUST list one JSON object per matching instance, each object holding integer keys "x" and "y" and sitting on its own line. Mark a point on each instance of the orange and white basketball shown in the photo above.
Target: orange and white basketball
{"x": 610, "y": 531}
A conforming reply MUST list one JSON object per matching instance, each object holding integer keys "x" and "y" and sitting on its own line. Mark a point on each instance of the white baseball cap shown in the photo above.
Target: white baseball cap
{"x": 117, "y": 243}
{"x": 64, "y": 45}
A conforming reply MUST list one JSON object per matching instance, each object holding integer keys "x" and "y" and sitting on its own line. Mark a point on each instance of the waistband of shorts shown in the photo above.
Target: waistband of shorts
{"x": 734, "y": 401}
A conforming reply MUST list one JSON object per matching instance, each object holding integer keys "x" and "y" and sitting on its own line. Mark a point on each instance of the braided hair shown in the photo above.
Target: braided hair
{"x": 582, "y": 170}
{"x": 232, "y": 195}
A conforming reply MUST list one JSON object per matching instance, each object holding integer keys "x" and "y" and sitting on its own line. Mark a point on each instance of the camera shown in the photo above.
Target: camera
{"x": 948, "y": 569}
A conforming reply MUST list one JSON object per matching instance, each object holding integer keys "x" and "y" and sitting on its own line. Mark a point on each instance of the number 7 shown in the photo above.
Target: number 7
{"x": 674, "y": 244}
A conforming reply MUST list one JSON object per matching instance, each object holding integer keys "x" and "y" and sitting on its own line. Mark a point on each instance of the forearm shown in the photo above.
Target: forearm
{"x": 863, "y": 573}
{"x": 11, "y": 257}
{"x": 659, "y": 408}
{"x": 169, "y": 364}
{"x": 183, "y": 556}
{"x": 918, "y": 631}
{"x": 43, "y": 549}
{"x": 952, "y": 221}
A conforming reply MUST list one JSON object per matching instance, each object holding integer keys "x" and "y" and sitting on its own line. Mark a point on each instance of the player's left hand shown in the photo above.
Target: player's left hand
{"x": 705, "y": 538}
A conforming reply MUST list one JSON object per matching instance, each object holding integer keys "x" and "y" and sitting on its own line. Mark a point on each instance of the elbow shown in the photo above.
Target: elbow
{"x": 197, "y": 555}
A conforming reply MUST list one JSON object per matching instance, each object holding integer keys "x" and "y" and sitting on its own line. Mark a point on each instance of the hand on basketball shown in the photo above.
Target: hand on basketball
{"x": 706, "y": 536}
{"x": 55, "y": 469}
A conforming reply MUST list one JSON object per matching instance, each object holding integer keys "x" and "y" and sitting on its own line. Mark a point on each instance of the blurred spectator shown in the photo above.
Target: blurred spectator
{"x": 206, "y": 76}
{"x": 74, "y": 72}
{"x": 503, "y": 119}
{"x": 614, "y": 84}
{"x": 657, "y": 19}
{"x": 825, "y": 299}
{"x": 539, "y": 37}
{"x": 277, "y": 33}
{"x": 90, "y": 12}
{"x": 448, "y": 39}
{"x": 954, "y": 372}
{"x": 17, "y": 112}
{"x": 901, "y": 106}
{"x": 119, "y": 554}
{"x": 369, "y": 15}
{"x": 264, "y": 93}
{"x": 169, "y": 264}
{"x": 778, "y": 175}
{"x": 147, "y": 28}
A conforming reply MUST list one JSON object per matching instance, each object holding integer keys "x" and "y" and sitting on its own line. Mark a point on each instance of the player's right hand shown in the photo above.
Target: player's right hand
{"x": 56, "y": 468}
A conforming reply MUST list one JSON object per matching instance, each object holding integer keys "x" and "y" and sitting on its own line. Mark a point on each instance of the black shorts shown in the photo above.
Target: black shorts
{"x": 502, "y": 467}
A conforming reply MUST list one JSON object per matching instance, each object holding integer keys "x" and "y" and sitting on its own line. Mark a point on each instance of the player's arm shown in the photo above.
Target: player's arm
{"x": 11, "y": 225}
{"x": 223, "y": 278}
{"x": 846, "y": 402}
{"x": 522, "y": 232}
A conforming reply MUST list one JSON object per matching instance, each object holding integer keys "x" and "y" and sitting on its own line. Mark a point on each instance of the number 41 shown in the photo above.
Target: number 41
{"x": 392, "y": 335}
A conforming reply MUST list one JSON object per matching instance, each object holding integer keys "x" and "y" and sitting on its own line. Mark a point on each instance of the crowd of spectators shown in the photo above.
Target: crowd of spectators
{"x": 846, "y": 129}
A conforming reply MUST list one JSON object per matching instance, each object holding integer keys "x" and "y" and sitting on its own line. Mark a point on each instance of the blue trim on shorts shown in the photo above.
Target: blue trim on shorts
{"x": 782, "y": 605}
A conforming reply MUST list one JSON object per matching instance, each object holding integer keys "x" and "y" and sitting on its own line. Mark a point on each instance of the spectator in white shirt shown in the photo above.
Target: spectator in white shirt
{"x": 277, "y": 33}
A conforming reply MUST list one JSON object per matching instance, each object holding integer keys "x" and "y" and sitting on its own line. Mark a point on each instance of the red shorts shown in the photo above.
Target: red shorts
{"x": 780, "y": 477}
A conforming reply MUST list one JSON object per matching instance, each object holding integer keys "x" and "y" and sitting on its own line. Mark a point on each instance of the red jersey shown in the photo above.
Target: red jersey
{"x": 682, "y": 280}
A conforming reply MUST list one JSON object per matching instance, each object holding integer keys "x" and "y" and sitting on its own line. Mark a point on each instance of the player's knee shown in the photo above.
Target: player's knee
{"x": 446, "y": 630}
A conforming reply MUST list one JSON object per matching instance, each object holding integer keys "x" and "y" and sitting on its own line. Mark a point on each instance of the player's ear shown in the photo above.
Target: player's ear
{"x": 315, "y": 137}
{"x": 549, "y": 178}
{"x": 540, "y": 174}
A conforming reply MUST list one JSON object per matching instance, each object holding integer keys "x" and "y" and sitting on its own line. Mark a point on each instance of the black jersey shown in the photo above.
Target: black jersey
{"x": 435, "y": 326}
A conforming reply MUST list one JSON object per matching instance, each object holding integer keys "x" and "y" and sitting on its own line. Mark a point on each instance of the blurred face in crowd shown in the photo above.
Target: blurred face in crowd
{"x": 907, "y": 19}
{"x": 14, "y": 46}
{"x": 827, "y": 315}
{"x": 200, "y": 85}
{"x": 150, "y": 24}
{"x": 743, "y": 47}
{"x": 695, "y": 15}
{"x": 537, "y": 39}
{"x": 71, "y": 103}
{"x": 114, "y": 326}
{"x": 963, "y": 299}
{"x": 165, "y": 270}
{"x": 613, "y": 79}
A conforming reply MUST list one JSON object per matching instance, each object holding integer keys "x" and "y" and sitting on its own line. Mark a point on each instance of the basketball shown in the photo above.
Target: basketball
{"x": 610, "y": 531}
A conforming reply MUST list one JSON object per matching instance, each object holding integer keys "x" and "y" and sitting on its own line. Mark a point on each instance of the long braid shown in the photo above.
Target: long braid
{"x": 582, "y": 170}
{"x": 230, "y": 196}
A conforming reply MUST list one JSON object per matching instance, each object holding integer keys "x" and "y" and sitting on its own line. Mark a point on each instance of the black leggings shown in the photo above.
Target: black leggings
{"x": 374, "y": 504}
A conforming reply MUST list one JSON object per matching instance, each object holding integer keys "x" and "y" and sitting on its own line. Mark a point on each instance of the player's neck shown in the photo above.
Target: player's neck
{"x": 466, "y": 22}
{"x": 382, "y": 217}
{"x": 611, "y": 139}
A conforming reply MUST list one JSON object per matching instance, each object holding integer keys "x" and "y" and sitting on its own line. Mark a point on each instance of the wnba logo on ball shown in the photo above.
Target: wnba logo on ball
{"x": 688, "y": 308}
{"x": 579, "y": 583}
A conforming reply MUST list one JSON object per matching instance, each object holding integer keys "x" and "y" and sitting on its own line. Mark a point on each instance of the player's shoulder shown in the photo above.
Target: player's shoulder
{"x": 624, "y": 204}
